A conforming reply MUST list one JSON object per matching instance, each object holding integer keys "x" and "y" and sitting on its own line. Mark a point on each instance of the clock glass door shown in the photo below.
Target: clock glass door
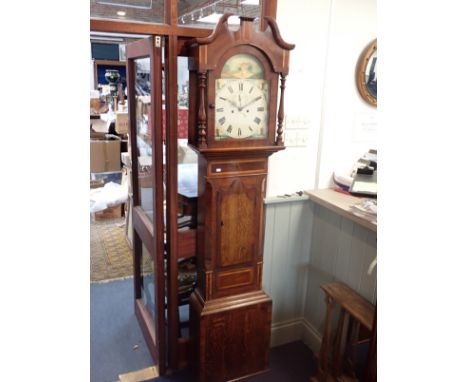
{"x": 144, "y": 70}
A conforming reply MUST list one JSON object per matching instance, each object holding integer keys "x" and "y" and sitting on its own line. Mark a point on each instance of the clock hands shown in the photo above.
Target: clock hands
{"x": 231, "y": 102}
{"x": 240, "y": 107}
{"x": 250, "y": 103}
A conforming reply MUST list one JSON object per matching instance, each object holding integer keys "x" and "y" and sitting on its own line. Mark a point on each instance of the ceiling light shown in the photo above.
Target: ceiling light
{"x": 121, "y": 13}
{"x": 251, "y": 2}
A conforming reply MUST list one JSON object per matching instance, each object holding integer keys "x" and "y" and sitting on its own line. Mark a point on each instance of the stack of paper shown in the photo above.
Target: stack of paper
{"x": 366, "y": 208}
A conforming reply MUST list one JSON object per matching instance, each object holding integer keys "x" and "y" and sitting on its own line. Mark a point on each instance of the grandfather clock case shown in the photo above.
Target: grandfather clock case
{"x": 235, "y": 124}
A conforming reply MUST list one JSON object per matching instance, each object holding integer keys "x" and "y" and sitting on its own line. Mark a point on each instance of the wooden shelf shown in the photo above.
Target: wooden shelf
{"x": 341, "y": 204}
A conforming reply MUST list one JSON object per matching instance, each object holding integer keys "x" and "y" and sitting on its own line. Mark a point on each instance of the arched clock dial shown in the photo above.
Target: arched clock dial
{"x": 241, "y": 109}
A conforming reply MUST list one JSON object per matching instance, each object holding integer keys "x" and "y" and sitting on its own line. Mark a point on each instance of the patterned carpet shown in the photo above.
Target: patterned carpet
{"x": 111, "y": 256}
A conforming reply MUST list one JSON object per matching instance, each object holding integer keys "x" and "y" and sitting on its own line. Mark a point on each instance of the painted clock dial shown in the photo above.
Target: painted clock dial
{"x": 241, "y": 99}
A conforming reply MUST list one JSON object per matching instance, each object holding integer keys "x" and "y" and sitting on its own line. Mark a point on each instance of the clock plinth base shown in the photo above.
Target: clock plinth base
{"x": 231, "y": 336}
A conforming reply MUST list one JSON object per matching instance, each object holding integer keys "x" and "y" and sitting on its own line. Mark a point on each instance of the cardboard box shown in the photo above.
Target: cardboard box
{"x": 121, "y": 122}
{"x": 105, "y": 155}
{"x": 94, "y": 105}
{"x": 99, "y": 126}
{"x": 109, "y": 213}
{"x": 126, "y": 159}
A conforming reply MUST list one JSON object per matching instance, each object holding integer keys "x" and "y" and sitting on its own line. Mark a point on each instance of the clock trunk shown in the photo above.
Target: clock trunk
{"x": 230, "y": 225}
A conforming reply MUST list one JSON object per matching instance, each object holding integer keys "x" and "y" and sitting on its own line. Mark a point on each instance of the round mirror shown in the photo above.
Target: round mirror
{"x": 366, "y": 73}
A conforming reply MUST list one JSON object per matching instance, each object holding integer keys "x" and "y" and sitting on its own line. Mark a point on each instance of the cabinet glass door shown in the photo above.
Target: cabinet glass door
{"x": 144, "y": 71}
{"x": 144, "y": 132}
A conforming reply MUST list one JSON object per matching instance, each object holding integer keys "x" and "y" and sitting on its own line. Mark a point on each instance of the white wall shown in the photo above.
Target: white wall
{"x": 321, "y": 94}
{"x": 352, "y": 27}
{"x": 305, "y": 24}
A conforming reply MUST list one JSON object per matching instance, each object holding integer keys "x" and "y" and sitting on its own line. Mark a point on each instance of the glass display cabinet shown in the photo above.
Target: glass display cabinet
{"x": 164, "y": 277}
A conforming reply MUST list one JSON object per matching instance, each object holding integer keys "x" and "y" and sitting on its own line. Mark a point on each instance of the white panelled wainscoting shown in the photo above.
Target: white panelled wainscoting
{"x": 307, "y": 245}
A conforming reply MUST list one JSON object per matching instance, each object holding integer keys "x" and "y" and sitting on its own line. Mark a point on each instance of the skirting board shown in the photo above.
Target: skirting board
{"x": 311, "y": 336}
{"x": 296, "y": 330}
{"x": 285, "y": 332}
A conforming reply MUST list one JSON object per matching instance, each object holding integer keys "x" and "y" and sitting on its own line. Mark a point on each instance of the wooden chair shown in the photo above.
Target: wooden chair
{"x": 355, "y": 313}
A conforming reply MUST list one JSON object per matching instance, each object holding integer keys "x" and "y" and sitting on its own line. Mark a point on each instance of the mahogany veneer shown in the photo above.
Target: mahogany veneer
{"x": 230, "y": 315}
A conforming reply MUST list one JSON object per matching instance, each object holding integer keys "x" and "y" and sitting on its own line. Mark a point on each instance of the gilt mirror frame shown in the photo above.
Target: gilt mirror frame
{"x": 366, "y": 75}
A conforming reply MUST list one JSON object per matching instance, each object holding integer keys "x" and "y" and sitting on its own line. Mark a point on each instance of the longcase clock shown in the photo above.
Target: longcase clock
{"x": 235, "y": 124}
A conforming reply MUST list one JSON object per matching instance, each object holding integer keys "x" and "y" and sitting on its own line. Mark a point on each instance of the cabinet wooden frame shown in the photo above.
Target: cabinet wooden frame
{"x": 146, "y": 232}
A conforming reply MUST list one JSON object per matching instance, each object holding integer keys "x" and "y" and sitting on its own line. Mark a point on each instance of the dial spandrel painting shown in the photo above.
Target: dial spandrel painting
{"x": 242, "y": 66}
{"x": 242, "y": 96}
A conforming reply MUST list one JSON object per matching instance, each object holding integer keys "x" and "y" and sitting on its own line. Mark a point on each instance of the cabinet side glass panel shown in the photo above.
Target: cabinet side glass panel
{"x": 143, "y": 119}
{"x": 187, "y": 158}
{"x": 148, "y": 278}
